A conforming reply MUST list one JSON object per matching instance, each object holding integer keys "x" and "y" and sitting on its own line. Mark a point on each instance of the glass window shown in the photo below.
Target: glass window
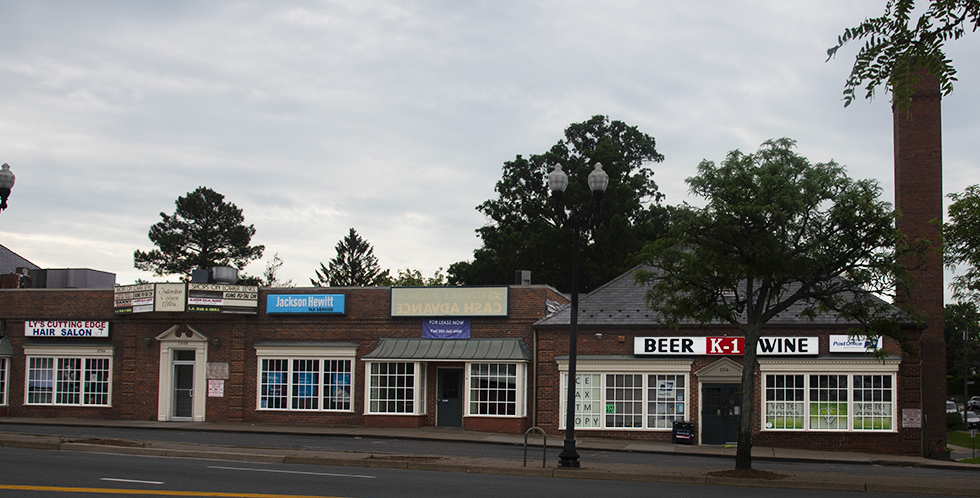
{"x": 624, "y": 400}
{"x": 392, "y": 388}
{"x": 68, "y": 381}
{"x": 306, "y": 384}
{"x": 873, "y": 407}
{"x": 828, "y": 402}
{"x": 3, "y": 381}
{"x": 666, "y": 400}
{"x": 785, "y": 402}
{"x": 493, "y": 389}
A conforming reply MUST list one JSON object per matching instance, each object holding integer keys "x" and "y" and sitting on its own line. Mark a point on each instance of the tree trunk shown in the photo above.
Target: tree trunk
{"x": 747, "y": 420}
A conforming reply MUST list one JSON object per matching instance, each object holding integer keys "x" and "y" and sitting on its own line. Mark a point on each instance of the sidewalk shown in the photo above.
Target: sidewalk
{"x": 968, "y": 485}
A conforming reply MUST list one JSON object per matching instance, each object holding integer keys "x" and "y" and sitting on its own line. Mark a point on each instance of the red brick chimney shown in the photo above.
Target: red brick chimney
{"x": 919, "y": 198}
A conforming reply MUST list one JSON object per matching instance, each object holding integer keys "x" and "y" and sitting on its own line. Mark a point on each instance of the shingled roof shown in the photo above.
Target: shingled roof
{"x": 10, "y": 261}
{"x": 620, "y": 302}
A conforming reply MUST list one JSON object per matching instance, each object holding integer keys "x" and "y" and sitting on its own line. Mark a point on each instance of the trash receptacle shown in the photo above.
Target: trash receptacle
{"x": 683, "y": 432}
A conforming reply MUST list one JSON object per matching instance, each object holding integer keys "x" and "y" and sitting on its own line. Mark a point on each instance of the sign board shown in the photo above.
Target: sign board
{"x": 216, "y": 388}
{"x": 853, "y": 344}
{"x": 912, "y": 418}
{"x": 51, "y": 328}
{"x": 322, "y": 304}
{"x": 446, "y": 328}
{"x": 134, "y": 298}
{"x": 727, "y": 346}
{"x": 170, "y": 297}
{"x": 449, "y": 301}
{"x": 222, "y": 298}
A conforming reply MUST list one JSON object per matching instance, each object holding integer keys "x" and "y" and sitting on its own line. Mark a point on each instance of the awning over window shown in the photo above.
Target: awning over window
{"x": 511, "y": 350}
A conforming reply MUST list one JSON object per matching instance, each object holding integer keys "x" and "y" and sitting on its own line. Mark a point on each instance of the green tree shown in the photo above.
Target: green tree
{"x": 524, "y": 233}
{"x": 354, "y": 266}
{"x": 204, "y": 232}
{"x": 895, "y": 49}
{"x": 958, "y": 317}
{"x": 414, "y": 278}
{"x": 961, "y": 243}
{"x": 270, "y": 277}
{"x": 777, "y": 232}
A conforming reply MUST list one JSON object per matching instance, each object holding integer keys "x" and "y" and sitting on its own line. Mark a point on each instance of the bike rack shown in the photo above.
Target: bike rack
{"x": 544, "y": 446}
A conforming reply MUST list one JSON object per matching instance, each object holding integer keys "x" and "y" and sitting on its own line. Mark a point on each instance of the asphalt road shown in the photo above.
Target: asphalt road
{"x": 30, "y": 473}
{"x": 463, "y": 449}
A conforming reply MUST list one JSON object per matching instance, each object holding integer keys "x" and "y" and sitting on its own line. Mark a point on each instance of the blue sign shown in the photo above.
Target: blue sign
{"x": 446, "y": 328}
{"x": 305, "y": 303}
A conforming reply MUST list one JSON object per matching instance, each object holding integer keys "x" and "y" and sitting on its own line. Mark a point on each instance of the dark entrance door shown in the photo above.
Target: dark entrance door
{"x": 449, "y": 409}
{"x": 721, "y": 405}
{"x": 183, "y": 381}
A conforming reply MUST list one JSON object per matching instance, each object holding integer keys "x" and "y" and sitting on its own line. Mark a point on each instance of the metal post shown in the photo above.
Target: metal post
{"x": 569, "y": 456}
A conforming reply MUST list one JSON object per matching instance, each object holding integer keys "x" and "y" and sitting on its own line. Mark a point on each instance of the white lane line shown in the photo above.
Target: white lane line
{"x": 292, "y": 472}
{"x": 129, "y": 480}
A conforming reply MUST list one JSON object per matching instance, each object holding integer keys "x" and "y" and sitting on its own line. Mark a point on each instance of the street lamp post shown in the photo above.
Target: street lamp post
{"x": 6, "y": 183}
{"x": 557, "y": 182}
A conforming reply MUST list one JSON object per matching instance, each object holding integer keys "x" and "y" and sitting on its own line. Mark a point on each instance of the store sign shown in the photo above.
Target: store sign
{"x": 449, "y": 301}
{"x": 134, "y": 298}
{"x": 305, "y": 303}
{"x": 724, "y": 346}
{"x": 50, "y": 328}
{"x": 221, "y": 298}
{"x": 446, "y": 328}
{"x": 853, "y": 344}
{"x": 170, "y": 297}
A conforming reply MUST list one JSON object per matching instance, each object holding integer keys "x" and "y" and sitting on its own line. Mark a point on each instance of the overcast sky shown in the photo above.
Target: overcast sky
{"x": 395, "y": 117}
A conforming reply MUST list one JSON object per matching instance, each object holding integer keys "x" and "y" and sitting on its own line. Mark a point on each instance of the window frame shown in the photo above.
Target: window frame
{"x": 418, "y": 398}
{"x": 643, "y": 368}
{"x": 4, "y": 378}
{"x": 78, "y": 389}
{"x": 846, "y": 368}
{"x": 322, "y": 394}
{"x": 519, "y": 393}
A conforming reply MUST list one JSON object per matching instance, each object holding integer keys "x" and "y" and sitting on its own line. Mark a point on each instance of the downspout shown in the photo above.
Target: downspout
{"x": 534, "y": 378}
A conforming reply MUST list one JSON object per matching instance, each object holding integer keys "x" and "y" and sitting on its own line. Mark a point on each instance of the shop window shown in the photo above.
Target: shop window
{"x": 3, "y": 381}
{"x": 828, "y": 402}
{"x": 305, "y": 376}
{"x": 785, "y": 402}
{"x": 68, "y": 381}
{"x": 624, "y": 400}
{"x": 494, "y": 388}
{"x": 837, "y": 402}
{"x": 306, "y": 384}
{"x": 873, "y": 405}
{"x": 395, "y": 388}
{"x": 618, "y": 396}
{"x": 666, "y": 400}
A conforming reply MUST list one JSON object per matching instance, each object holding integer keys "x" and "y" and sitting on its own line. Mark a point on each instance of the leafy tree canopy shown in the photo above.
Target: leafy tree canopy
{"x": 414, "y": 278}
{"x": 957, "y": 318}
{"x": 961, "y": 244}
{"x": 776, "y": 232}
{"x": 270, "y": 277}
{"x": 204, "y": 232}
{"x": 895, "y": 48}
{"x": 524, "y": 233}
{"x": 354, "y": 266}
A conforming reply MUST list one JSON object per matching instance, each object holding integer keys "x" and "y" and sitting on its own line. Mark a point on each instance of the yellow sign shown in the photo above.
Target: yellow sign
{"x": 449, "y": 301}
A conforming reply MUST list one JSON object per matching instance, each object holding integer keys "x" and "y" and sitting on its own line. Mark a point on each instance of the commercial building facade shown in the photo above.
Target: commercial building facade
{"x": 481, "y": 358}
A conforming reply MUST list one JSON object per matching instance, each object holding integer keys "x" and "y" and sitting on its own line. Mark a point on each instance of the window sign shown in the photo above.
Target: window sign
{"x": 49, "y": 328}
{"x": 446, "y": 328}
{"x": 305, "y": 303}
{"x": 853, "y": 344}
{"x": 730, "y": 346}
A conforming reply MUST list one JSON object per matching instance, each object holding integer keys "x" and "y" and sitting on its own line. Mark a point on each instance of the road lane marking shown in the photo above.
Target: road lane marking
{"x": 153, "y": 492}
{"x": 113, "y": 479}
{"x": 292, "y": 472}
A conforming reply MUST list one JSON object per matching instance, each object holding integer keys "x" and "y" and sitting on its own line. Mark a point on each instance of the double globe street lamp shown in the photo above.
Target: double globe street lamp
{"x": 6, "y": 183}
{"x": 557, "y": 182}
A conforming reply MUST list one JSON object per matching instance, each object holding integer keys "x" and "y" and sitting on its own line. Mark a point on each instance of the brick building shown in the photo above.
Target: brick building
{"x": 481, "y": 358}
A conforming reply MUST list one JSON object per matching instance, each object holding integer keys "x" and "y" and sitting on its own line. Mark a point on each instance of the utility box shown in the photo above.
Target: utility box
{"x": 683, "y": 432}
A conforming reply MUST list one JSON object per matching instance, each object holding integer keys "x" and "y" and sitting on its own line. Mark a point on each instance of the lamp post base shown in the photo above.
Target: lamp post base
{"x": 568, "y": 457}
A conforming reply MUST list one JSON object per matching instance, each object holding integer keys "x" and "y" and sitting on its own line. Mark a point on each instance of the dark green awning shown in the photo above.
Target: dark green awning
{"x": 512, "y": 350}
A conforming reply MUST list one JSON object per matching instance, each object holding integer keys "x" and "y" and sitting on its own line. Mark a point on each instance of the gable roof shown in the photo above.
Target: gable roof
{"x": 620, "y": 302}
